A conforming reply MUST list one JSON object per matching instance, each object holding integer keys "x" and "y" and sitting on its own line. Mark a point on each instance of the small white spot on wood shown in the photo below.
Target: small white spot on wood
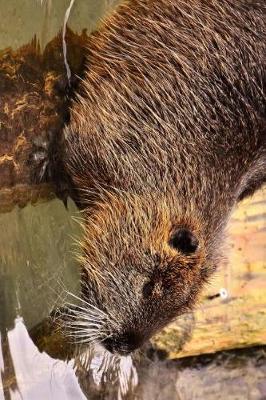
{"x": 223, "y": 293}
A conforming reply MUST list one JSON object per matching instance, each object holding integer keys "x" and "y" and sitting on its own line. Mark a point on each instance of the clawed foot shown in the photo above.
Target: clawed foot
{"x": 39, "y": 160}
{"x": 46, "y": 165}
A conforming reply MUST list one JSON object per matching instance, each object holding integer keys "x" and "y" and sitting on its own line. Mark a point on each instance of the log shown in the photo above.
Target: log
{"x": 35, "y": 96}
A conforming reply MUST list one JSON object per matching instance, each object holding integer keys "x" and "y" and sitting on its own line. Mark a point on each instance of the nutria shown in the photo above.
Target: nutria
{"x": 166, "y": 135}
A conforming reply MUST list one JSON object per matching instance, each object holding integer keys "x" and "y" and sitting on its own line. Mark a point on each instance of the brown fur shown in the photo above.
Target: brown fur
{"x": 168, "y": 132}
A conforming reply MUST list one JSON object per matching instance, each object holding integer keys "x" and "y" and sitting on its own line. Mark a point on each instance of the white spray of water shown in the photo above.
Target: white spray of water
{"x": 101, "y": 363}
{"x": 128, "y": 377}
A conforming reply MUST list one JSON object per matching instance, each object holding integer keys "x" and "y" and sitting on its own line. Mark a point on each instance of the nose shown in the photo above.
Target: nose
{"x": 123, "y": 344}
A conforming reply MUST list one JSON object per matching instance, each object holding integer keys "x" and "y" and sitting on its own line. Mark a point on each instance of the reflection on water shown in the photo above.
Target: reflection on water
{"x": 37, "y": 261}
{"x": 29, "y": 374}
{"x": 45, "y": 18}
{"x": 36, "y": 265}
{"x": 105, "y": 369}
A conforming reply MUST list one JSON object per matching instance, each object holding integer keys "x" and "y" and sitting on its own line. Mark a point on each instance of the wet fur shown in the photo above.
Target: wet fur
{"x": 168, "y": 131}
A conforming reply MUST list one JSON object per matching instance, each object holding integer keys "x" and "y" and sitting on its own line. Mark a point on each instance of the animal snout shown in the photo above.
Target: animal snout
{"x": 123, "y": 344}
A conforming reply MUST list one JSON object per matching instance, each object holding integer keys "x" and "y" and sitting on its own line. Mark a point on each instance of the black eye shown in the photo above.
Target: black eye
{"x": 184, "y": 240}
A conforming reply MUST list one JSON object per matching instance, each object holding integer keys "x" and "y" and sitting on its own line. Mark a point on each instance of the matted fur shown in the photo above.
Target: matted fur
{"x": 168, "y": 131}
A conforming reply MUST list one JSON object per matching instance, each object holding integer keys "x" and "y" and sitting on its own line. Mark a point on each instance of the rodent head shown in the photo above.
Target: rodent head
{"x": 144, "y": 263}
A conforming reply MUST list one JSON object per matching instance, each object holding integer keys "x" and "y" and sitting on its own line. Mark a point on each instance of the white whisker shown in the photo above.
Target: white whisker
{"x": 87, "y": 303}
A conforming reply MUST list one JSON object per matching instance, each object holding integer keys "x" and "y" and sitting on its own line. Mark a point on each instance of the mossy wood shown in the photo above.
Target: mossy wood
{"x": 239, "y": 320}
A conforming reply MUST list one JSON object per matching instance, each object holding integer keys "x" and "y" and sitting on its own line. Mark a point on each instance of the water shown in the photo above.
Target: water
{"x": 38, "y": 263}
{"x": 44, "y": 18}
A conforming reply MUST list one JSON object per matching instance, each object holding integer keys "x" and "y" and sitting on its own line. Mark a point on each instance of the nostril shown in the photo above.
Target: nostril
{"x": 129, "y": 341}
{"x": 124, "y": 343}
{"x": 132, "y": 339}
